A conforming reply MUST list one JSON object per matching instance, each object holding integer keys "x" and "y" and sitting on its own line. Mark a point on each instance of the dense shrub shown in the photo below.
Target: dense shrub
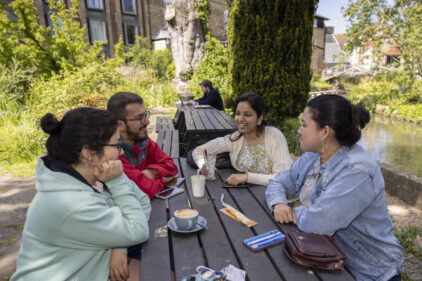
{"x": 159, "y": 62}
{"x": 22, "y": 138}
{"x": 270, "y": 49}
{"x": 394, "y": 89}
{"x": 14, "y": 85}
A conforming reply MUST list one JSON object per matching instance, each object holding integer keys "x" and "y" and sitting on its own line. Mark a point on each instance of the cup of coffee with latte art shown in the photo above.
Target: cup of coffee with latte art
{"x": 186, "y": 219}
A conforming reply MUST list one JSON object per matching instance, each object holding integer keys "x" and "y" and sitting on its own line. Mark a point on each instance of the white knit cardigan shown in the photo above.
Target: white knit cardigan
{"x": 275, "y": 145}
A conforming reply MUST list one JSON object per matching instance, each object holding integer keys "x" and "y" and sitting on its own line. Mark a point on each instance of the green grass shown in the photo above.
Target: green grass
{"x": 407, "y": 236}
{"x": 18, "y": 169}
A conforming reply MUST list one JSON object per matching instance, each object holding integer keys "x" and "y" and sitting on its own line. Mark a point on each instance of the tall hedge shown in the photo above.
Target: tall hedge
{"x": 270, "y": 48}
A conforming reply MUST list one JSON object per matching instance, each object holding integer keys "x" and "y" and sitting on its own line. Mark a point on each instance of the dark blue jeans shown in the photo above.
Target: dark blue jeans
{"x": 135, "y": 252}
{"x": 396, "y": 278}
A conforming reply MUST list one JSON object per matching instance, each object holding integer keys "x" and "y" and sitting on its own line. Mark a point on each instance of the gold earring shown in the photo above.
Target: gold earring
{"x": 322, "y": 146}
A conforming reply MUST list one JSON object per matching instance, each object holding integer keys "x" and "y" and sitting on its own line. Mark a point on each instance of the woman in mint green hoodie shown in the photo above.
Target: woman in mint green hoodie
{"x": 86, "y": 212}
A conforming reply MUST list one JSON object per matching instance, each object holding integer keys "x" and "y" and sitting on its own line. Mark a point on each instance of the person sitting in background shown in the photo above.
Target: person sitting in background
{"x": 86, "y": 211}
{"x": 340, "y": 189}
{"x": 211, "y": 96}
{"x": 258, "y": 150}
{"x": 143, "y": 161}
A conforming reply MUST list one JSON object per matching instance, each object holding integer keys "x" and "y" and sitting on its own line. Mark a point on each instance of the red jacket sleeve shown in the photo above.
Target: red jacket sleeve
{"x": 156, "y": 159}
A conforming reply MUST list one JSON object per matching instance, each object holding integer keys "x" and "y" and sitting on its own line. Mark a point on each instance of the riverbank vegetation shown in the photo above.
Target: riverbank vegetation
{"x": 378, "y": 24}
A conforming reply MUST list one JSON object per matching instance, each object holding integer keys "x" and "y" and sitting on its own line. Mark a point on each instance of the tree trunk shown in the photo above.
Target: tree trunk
{"x": 187, "y": 40}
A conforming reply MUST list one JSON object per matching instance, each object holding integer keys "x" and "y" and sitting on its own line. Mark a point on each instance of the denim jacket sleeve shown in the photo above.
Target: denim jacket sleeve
{"x": 283, "y": 185}
{"x": 344, "y": 198}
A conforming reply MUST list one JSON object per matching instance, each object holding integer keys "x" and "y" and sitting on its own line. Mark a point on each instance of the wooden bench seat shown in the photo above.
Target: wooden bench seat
{"x": 164, "y": 123}
{"x": 168, "y": 141}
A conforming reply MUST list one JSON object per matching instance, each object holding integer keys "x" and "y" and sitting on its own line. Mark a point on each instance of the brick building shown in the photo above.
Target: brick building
{"x": 108, "y": 20}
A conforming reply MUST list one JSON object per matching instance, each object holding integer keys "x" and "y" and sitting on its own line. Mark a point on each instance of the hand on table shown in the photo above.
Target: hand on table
{"x": 284, "y": 214}
{"x": 236, "y": 179}
{"x": 109, "y": 170}
{"x": 204, "y": 170}
{"x": 171, "y": 179}
{"x": 118, "y": 270}
{"x": 150, "y": 173}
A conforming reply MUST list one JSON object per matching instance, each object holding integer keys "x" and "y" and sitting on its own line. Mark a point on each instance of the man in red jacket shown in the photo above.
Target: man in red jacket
{"x": 143, "y": 161}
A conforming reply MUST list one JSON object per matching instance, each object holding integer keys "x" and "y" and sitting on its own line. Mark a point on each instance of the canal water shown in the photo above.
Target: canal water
{"x": 394, "y": 142}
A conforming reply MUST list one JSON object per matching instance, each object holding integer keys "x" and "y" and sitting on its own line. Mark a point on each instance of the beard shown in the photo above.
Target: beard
{"x": 139, "y": 134}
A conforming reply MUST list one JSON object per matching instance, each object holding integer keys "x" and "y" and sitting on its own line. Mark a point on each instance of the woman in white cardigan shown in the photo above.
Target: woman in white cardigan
{"x": 258, "y": 150}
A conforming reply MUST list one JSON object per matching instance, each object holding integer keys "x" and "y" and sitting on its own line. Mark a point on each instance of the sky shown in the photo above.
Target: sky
{"x": 332, "y": 9}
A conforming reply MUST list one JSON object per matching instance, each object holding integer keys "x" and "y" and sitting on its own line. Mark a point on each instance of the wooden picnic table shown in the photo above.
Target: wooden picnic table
{"x": 198, "y": 125}
{"x": 221, "y": 243}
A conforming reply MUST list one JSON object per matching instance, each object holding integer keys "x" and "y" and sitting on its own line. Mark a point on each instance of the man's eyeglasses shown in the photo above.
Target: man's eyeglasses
{"x": 118, "y": 145}
{"x": 141, "y": 118}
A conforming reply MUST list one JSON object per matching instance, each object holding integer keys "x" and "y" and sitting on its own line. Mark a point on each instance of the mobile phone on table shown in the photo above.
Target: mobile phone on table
{"x": 264, "y": 240}
{"x": 174, "y": 183}
{"x": 226, "y": 185}
{"x": 170, "y": 192}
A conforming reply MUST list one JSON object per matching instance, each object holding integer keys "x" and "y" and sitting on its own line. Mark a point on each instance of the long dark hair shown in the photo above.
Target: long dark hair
{"x": 258, "y": 105}
{"x": 340, "y": 114}
{"x": 84, "y": 126}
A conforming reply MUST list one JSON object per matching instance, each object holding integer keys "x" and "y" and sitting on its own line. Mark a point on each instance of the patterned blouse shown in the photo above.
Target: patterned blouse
{"x": 254, "y": 159}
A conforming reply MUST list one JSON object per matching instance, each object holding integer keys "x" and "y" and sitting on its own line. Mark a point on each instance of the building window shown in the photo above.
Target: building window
{"x": 97, "y": 31}
{"x": 129, "y": 7}
{"x": 131, "y": 31}
{"x": 95, "y": 4}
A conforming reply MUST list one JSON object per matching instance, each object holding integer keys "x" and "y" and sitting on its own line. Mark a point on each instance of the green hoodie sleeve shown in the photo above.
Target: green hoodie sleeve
{"x": 93, "y": 224}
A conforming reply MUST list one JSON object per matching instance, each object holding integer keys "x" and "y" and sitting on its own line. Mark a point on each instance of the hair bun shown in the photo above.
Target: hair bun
{"x": 360, "y": 115}
{"x": 50, "y": 124}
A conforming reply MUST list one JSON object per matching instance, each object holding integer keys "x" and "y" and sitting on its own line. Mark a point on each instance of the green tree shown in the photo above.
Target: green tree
{"x": 270, "y": 48}
{"x": 62, "y": 46}
{"x": 384, "y": 23}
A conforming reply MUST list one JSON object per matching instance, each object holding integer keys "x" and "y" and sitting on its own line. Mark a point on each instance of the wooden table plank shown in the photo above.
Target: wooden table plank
{"x": 228, "y": 118}
{"x": 198, "y": 122}
{"x": 226, "y": 125}
{"x": 175, "y": 144}
{"x": 155, "y": 263}
{"x": 186, "y": 248}
{"x": 217, "y": 249}
{"x": 257, "y": 264}
{"x": 160, "y": 139}
{"x": 208, "y": 123}
{"x": 190, "y": 126}
{"x": 210, "y": 115}
{"x": 167, "y": 142}
{"x": 254, "y": 210}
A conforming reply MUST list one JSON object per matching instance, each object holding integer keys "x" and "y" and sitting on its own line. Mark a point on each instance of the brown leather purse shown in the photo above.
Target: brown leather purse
{"x": 313, "y": 250}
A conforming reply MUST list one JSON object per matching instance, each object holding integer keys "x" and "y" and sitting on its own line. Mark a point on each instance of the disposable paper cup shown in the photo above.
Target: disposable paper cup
{"x": 198, "y": 185}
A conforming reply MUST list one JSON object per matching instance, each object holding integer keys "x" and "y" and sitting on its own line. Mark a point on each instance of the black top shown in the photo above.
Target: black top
{"x": 212, "y": 98}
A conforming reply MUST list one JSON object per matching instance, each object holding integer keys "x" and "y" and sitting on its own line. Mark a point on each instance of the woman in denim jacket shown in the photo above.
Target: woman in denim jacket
{"x": 340, "y": 189}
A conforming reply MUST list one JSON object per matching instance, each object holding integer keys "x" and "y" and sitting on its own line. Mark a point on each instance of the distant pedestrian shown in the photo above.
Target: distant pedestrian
{"x": 211, "y": 96}
{"x": 336, "y": 85}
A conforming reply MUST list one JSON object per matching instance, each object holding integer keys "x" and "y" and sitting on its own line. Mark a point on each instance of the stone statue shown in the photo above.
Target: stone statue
{"x": 187, "y": 40}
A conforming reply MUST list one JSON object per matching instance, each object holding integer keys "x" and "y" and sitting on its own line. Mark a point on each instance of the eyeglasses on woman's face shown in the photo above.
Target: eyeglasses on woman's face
{"x": 142, "y": 118}
{"x": 118, "y": 145}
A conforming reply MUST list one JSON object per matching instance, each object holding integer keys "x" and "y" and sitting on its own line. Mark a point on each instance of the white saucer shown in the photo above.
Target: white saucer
{"x": 202, "y": 223}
